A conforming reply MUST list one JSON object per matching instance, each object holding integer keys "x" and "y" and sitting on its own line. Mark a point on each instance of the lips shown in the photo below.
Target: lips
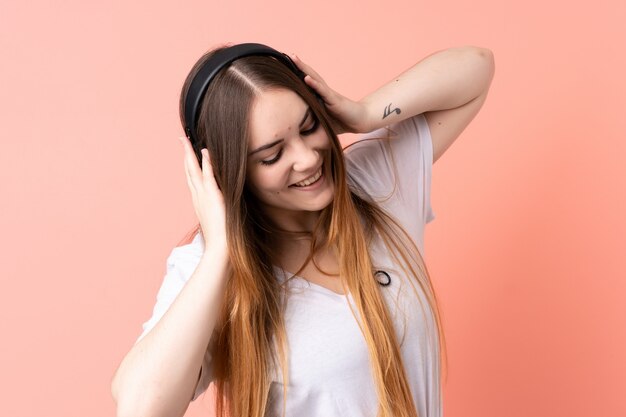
{"x": 310, "y": 180}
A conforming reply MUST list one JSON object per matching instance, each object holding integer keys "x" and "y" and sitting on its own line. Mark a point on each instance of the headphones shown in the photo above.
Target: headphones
{"x": 214, "y": 65}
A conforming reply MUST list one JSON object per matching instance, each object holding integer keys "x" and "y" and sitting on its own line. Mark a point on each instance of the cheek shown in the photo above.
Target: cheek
{"x": 322, "y": 139}
{"x": 264, "y": 183}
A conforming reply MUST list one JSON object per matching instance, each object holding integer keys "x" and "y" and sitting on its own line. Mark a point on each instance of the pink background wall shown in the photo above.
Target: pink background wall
{"x": 526, "y": 251}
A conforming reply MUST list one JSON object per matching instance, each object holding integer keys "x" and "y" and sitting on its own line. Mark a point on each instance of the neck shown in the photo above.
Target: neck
{"x": 292, "y": 223}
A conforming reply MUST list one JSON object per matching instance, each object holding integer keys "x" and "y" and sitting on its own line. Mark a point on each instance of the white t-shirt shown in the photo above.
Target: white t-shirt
{"x": 329, "y": 368}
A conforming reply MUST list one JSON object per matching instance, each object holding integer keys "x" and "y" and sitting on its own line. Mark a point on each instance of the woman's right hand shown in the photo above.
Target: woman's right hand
{"x": 208, "y": 200}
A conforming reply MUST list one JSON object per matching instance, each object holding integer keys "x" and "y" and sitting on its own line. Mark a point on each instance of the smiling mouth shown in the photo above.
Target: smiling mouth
{"x": 311, "y": 180}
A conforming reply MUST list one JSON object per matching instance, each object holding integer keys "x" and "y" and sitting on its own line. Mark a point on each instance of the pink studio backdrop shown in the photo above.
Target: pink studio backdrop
{"x": 526, "y": 251}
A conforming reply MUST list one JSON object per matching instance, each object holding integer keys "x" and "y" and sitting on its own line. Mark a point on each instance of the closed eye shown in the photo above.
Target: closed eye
{"x": 273, "y": 160}
{"x": 307, "y": 132}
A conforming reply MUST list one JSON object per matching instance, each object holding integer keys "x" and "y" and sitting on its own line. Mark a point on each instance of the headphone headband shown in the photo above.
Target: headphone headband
{"x": 213, "y": 66}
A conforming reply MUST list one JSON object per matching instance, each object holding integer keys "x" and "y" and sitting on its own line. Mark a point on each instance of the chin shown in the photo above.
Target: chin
{"x": 329, "y": 200}
{"x": 320, "y": 204}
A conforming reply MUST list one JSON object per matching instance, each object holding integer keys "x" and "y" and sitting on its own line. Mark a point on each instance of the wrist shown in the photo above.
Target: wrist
{"x": 367, "y": 123}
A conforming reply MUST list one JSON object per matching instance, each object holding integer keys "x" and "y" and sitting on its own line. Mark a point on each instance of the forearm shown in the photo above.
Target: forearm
{"x": 443, "y": 80}
{"x": 158, "y": 375}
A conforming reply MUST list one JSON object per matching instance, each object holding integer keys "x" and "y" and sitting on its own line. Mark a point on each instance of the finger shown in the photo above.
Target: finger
{"x": 314, "y": 85}
{"x": 312, "y": 82}
{"x": 306, "y": 68}
{"x": 316, "y": 82}
{"x": 190, "y": 155}
{"x": 191, "y": 162}
{"x": 192, "y": 188}
{"x": 329, "y": 96}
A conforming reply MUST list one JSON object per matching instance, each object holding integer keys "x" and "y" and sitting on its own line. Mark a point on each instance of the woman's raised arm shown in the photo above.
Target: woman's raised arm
{"x": 449, "y": 87}
{"x": 443, "y": 80}
{"x": 441, "y": 83}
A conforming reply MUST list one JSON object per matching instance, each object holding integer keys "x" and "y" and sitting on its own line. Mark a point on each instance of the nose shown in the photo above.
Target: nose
{"x": 305, "y": 157}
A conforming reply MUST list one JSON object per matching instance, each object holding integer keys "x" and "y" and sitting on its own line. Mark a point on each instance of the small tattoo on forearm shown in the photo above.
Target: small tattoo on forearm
{"x": 388, "y": 111}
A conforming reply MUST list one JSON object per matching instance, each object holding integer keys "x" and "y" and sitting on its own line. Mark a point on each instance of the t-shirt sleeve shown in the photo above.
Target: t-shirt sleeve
{"x": 181, "y": 264}
{"x": 393, "y": 166}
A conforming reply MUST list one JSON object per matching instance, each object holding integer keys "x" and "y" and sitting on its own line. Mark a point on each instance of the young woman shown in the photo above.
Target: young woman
{"x": 303, "y": 291}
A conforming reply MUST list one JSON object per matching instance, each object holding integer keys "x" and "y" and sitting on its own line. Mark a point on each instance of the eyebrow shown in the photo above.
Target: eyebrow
{"x": 276, "y": 142}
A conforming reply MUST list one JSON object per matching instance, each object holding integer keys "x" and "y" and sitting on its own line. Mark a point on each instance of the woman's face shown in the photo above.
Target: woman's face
{"x": 289, "y": 155}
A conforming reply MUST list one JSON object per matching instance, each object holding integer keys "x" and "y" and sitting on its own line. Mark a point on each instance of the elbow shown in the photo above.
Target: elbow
{"x": 137, "y": 400}
{"x": 123, "y": 407}
{"x": 483, "y": 61}
{"x": 488, "y": 66}
{"x": 488, "y": 57}
{"x": 125, "y": 412}
{"x": 126, "y": 405}
{"x": 484, "y": 54}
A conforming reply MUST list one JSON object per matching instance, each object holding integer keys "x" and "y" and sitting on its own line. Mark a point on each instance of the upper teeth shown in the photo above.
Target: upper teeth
{"x": 310, "y": 180}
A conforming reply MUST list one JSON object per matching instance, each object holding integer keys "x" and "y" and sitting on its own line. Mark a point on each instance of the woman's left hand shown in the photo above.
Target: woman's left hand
{"x": 347, "y": 116}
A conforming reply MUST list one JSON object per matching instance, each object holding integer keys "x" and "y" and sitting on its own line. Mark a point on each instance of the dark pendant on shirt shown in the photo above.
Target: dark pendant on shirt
{"x": 385, "y": 280}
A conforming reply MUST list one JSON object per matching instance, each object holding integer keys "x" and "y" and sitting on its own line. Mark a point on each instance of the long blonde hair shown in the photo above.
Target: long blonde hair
{"x": 250, "y": 336}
